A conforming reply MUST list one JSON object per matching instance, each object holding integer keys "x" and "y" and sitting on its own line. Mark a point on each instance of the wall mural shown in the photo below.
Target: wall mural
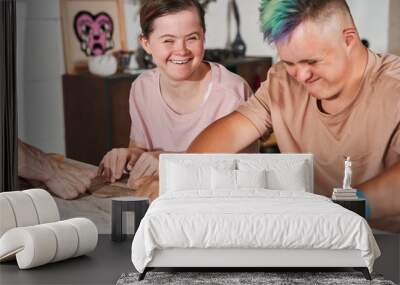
{"x": 94, "y": 32}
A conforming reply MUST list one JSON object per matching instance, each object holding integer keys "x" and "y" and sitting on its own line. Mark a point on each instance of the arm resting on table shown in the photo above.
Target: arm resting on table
{"x": 383, "y": 193}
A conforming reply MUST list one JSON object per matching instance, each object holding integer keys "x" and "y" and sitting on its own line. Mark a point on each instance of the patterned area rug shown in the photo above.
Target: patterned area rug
{"x": 244, "y": 278}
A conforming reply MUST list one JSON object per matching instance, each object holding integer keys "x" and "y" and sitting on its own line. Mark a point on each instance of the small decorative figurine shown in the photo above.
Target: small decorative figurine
{"x": 346, "y": 192}
{"x": 347, "y": 174}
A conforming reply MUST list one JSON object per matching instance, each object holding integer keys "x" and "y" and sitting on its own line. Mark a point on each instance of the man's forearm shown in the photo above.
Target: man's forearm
{"x": 227, "y": 135}
{"x": 33, "y": 163}
{"x": 383, "y": 193}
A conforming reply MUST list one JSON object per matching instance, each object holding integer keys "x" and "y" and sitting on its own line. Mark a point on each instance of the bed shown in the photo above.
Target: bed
{"x": 246, "y": 211}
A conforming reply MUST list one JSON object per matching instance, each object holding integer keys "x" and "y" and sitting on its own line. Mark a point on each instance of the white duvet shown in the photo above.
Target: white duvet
{"x": 253, "y": 218}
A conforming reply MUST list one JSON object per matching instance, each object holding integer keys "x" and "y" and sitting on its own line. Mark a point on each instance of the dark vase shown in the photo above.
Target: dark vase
{"x": 238, "y": 46}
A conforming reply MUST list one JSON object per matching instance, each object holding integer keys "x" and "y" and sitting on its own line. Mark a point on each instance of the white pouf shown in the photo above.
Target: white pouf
{"x": 31, "y": 232}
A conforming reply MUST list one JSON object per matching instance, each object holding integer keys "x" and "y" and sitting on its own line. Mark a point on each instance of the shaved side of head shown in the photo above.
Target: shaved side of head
{"x": 280, "y": 17}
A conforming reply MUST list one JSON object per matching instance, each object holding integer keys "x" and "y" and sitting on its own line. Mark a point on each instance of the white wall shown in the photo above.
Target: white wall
{"x": 40, "y": 54}
{"x": 372, "y": 20}
{"x": 41, "y": 120}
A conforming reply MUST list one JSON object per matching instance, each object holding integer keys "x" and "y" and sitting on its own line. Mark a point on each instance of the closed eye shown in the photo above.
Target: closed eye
{"x": 311, "y": 62}
{"x": 288, "y": 63}
{"x": 193, "y": 38}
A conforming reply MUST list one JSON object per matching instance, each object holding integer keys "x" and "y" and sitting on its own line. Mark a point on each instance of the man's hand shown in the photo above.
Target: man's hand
{"x": 61, "y": 177}
{"x": 67, "y": 180}
{"x": 116, "y": 161}
{"x": 146, "y": 165}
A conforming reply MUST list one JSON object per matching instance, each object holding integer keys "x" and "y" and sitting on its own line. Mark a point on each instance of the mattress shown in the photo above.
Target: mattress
{"x": 251, "y": 219}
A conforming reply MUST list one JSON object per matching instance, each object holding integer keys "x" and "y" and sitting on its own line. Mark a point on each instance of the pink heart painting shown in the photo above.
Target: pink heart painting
{"x": 94, "y": 32}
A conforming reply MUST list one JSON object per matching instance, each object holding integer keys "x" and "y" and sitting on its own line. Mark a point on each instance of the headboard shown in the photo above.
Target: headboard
{"x": 237, "y": 160}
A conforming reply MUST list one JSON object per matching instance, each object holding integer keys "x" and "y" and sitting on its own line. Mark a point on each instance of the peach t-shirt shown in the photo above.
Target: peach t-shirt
{"x": 367, "y": 130}
{"x": 155, "y": 126}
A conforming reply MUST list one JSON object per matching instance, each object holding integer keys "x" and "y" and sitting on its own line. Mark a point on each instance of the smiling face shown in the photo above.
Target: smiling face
{"x": 318, "y": 57}
{"x": 176, "y": 44}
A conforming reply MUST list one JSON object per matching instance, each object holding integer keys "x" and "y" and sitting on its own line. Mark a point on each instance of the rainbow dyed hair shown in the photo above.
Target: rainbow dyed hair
{"x": 280, "y": 17}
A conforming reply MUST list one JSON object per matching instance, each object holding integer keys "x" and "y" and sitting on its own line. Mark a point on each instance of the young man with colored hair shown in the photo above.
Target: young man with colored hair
{"x": 328, "y": 95}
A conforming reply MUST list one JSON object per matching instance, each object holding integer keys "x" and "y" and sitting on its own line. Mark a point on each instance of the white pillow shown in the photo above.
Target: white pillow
{"x": 236, "y": 179}
{"x": 183, "y": 177}
{"x": 223, "y": 179}
{"x": 185, "y": 174}
{"x": 292, "y": 179}
{"x": 281, "y": 174}
{"x": 251, "y": 178}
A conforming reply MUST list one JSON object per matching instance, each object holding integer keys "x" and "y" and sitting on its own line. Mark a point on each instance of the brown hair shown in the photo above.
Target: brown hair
{"x": 153, "y": 9}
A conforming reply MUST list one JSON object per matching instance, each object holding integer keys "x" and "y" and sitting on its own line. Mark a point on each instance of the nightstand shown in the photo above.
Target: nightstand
{"x": 357, "y": 206}
{"x": 138, "y": 205}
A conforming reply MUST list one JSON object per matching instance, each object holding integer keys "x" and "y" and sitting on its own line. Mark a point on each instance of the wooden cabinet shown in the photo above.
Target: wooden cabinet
{"x": 96, "y": 115}
{"x": 253, "y": 69}
{"x": 96, "y": 109}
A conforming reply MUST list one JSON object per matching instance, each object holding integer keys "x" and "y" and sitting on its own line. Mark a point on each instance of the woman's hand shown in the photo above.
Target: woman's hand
{"x": 146, "y": 165}
{"x": 118, "y": 160}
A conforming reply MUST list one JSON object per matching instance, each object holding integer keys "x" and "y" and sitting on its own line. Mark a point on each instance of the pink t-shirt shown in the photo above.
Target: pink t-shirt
{"x": 155, "y": 126}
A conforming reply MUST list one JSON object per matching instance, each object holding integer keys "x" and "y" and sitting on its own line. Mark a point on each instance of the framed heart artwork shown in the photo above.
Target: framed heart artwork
{"x": 91, "y": 28}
